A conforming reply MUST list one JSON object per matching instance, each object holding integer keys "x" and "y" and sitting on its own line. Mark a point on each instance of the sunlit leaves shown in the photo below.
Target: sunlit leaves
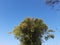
{"x": 30, "y": 31}
{"x": 51, "y": 31}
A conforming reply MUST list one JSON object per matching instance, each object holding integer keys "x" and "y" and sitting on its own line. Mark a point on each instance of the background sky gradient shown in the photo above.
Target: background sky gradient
{"x": 12, "y": 12}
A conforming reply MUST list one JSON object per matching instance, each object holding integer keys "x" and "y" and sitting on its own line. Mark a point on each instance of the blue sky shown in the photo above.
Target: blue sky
{"x": 12, "y": 12}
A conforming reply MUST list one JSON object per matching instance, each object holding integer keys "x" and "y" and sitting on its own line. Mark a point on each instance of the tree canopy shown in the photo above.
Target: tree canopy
{"x": 53, "y": 3}
{"x": 31, "y": 31}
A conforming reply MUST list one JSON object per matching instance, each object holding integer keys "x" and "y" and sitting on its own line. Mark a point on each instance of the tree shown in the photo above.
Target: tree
{"x": 52, "y": 2}
{"x": 31, "y": 31}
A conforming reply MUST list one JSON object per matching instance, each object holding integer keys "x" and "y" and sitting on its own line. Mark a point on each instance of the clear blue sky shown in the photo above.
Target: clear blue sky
{"x": 12, "y": 12}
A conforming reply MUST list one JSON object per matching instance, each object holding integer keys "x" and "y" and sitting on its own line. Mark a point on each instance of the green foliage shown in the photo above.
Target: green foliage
{"x": 31, "y": 31}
